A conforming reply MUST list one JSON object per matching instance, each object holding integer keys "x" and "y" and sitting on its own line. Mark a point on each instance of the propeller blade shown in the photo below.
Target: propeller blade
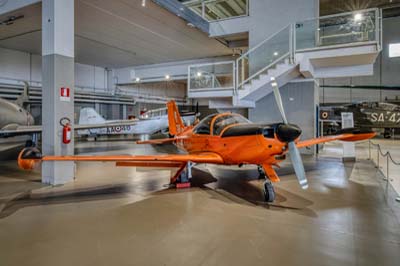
{"x": 298, "y": 165}
{"x": 278, "y": 99}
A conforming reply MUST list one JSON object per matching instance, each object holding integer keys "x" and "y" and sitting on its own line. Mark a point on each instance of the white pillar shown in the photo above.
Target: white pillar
{"x": 57, "y": 72}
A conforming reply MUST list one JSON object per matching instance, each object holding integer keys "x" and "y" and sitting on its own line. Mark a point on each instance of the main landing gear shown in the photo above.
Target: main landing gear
{"x": 183, "y": 176}
{"x": 268, "y": 188}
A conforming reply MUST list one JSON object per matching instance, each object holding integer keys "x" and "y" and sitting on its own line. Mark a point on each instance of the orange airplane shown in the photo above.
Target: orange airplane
{"x": 226, "y": 138}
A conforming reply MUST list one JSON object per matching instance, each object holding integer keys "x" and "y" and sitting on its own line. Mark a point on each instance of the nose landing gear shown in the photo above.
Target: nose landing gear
{"x": 268, "y": 188}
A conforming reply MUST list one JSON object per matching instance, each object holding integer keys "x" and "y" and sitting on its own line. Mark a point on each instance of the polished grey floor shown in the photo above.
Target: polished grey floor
{"x": 126, "y": 216}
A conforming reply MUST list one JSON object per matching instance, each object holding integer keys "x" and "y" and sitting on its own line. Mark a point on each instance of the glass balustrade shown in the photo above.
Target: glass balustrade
{"x": 264, "y": 56}
{"x": 210, "y": 76}
{"x": 346, "y": 28}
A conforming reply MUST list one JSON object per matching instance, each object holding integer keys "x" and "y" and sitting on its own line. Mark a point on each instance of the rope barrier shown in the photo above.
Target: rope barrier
{"x": 389, "y": 156}
{"x": 385, "y": 154}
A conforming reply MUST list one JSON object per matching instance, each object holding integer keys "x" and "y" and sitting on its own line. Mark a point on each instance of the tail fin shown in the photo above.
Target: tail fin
{"x": 23, "y": 99}
{"x": 175, "y": 122}
{"x": 89, "y": 116}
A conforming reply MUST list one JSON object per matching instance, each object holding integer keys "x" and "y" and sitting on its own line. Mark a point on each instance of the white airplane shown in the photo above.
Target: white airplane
{"x": 149, "y": 122}
{"x": 17, "y": 124}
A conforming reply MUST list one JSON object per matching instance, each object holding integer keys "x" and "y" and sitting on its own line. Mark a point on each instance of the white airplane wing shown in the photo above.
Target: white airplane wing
{"x": 28, "y": 130}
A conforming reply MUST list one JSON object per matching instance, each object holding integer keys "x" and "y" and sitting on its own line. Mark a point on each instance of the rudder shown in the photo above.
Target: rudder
{"x": 89, "y": 116}
{"x": 175, "y": 122}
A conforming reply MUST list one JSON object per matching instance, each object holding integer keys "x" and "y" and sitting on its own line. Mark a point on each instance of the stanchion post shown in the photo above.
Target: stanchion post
{"x": 386, "y": 178}
{"x": 369, "y": 149}
{"x": 377, "y": 157}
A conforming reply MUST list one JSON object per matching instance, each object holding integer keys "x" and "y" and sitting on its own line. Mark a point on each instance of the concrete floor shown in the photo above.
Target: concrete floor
{"x": 125, "y": 216}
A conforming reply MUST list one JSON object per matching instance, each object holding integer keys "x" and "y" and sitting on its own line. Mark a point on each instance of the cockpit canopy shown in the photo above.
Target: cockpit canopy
{"x": 216, "y": 123}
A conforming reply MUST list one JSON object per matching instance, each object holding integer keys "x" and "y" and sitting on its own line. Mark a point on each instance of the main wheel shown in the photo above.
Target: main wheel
{"x": 269, "y": 192}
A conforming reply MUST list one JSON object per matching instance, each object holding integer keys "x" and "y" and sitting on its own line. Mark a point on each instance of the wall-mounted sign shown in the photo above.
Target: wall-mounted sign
{"x": 65, "y": 94}
{"x": 394, "y": 50}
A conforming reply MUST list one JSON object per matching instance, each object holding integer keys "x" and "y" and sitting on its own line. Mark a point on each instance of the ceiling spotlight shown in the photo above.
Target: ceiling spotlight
{"x": 276, "y": 53}
{"x": 199, "y": 74}
{"x": 143, "y": 3}
{"x": 167, "y": 77}
{"x": 358, "y": 17}
{"x": 137, "y": 79}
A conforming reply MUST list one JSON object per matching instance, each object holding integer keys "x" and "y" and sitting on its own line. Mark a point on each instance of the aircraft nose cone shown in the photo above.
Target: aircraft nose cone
{"x": 288, "y": 132}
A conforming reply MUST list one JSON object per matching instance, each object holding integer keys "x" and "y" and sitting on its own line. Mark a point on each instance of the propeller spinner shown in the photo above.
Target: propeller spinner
{"x": 293, "y": 132}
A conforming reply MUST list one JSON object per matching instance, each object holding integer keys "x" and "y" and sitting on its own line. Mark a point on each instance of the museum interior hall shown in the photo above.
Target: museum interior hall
{"x": 200, "y": 132}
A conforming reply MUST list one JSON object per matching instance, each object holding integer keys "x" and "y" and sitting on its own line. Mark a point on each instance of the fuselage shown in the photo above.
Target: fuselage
{"x": 239, "y": 141}
{"x": 12, "y": 115}
{"x": 143, "y": 126}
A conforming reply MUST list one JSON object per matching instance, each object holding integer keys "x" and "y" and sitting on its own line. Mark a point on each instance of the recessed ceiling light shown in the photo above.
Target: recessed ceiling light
{"x": 358, "y": 17}
{"x": 276, "y": 53}
{"x": 199, "y": 74}
{"x": 137, "y": 79}
{"x": 167, "y": 77}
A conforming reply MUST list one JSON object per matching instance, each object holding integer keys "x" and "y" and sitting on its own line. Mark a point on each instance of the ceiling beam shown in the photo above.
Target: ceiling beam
{"x": 7, "y": 6}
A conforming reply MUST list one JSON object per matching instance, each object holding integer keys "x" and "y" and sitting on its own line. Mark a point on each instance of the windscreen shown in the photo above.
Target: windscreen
{"x": 227, "y": 120}
{"x": 203, "y": 127}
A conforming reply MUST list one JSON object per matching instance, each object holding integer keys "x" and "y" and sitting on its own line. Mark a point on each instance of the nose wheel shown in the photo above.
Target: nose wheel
{"x": 268, "y": 188}
{"x": 268, "y": 191}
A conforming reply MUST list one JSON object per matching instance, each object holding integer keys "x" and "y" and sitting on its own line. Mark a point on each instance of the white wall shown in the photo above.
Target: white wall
{"x": 269, "y": 16}
{"x": 22, "y": 66}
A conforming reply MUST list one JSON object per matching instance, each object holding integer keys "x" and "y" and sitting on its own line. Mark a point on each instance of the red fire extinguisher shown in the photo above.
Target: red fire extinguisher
{"x": 66, "y": 132}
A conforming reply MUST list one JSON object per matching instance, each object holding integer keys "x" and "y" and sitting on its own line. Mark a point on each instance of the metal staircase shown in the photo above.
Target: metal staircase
{"x": 340, "y": 45}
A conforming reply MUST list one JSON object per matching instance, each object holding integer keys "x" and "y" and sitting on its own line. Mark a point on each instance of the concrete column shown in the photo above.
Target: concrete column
{"x": 57, "y": 72}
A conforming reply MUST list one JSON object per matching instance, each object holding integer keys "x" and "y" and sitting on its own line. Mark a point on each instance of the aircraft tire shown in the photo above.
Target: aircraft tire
{"x": 269, "y": 192}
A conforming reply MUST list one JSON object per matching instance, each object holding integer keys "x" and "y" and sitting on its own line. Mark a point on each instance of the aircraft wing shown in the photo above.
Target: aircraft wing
{"x": 28, "y": 130}
{"x": 353, "y": 136}
{"x": 30, "y": 156}
{"x": 20, "y": 130}
{"x": 203, "y": 157}
{"x": 104, "y": 125}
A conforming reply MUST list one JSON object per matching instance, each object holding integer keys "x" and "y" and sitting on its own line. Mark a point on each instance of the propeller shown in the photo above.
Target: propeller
{"x": 293, "y": 150}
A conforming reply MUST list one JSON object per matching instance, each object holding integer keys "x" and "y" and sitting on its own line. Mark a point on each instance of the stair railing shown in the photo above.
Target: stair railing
{"x": 264, "y": 55}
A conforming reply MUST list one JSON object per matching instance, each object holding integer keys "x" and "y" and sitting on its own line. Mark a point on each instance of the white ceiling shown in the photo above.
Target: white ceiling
{"x": 117, "y": 33}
